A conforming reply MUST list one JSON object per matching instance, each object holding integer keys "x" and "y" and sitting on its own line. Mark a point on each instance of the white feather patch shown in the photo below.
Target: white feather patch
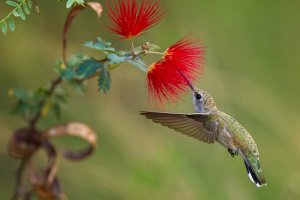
{"x": 258, "y": 185}
{"x": 251, "y": 178}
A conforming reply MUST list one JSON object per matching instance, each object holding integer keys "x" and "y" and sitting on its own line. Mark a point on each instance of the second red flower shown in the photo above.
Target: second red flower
{"x": 129, "y": 18}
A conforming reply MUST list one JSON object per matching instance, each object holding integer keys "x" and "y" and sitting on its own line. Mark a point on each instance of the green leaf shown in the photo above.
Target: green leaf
{"x": 81, "y": 2}
{"x": 33, "y": 109}
{"x": 104, "y": 80}
{"x": 88, "y": 68}
{"x": 22, "y": 95}
{"x": 69, "y": 71}
{"x": 4, "y": 27}
{"x": 100, "y": 44}
{"x": 68, "y": 74}
{"x": 57, "y": 110}
{"x": 16, "y": 14}
{"x": 115, "y": 59}
{"x": 20, "y": 107}
{"x": 21, "y": 13}
{"x": 139, "y": 63}
{"x": 75, "y": 60}
{"x": 60, "y": 99}
{"x": 26, "y": 8}
{"x": 11, "y": 24}
{"x": 69, "y": 3}
{"x": 40, "y": 94}
{"x": 77, "y": 86}
{"x": 12, "y": 3}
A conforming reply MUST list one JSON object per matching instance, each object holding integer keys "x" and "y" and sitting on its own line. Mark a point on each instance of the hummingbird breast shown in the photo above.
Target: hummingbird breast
{"x": 232, "y": 135}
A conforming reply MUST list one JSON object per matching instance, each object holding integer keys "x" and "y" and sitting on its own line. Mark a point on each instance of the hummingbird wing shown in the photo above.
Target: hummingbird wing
{"x": 197, "y": 125}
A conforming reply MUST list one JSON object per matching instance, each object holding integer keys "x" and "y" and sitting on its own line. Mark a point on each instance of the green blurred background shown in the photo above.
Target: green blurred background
{"x": 252, "y": 70}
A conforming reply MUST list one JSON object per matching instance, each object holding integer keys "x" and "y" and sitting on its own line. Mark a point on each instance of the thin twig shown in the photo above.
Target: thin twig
{"x": 140, "y": 62}
{"x": 53, "y": 86}
{"x": 19, "y": 176}
{"x": 155, "y": 52}
{"x": 132, "y": 47}
{"x": 51, "y": 90}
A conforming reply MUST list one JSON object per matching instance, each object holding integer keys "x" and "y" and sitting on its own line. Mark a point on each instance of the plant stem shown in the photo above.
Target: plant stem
{"x": 51, "y": 90}
{"x": 132, "y": 46}
{"x": 19, "y": 176}
{"x": 155, "y": 52}
{"x": 141, "y": 63}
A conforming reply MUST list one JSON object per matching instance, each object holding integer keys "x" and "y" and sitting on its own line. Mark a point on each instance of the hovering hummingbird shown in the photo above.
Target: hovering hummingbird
{"x": 208, "y": 124}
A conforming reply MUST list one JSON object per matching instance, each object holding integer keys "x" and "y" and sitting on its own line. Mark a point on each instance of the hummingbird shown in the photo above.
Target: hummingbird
{"x": 208, "y": 124}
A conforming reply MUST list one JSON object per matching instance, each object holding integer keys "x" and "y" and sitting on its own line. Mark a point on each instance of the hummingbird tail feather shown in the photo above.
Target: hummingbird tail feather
{"x": 255, "y": 174}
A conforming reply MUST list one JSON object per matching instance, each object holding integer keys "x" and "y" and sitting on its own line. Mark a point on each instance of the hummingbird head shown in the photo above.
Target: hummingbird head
{"x": 203, "y": 101}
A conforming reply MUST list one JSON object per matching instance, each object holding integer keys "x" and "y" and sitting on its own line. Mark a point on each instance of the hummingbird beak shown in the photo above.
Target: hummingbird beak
{"x": 187, "y": 81}
{"x": 190, "y": 84}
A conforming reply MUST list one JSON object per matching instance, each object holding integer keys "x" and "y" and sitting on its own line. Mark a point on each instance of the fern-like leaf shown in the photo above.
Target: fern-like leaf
{"x": 11, "y": 24}
{"x": 21, "y": 8}
{"x": 104, "y": 80}
{"x": 3, "y": 27}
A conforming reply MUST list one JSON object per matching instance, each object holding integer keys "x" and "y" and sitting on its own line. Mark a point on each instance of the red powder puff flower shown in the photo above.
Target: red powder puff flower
{"x": 166, "y": 79}
{"x": 130, "y": 18}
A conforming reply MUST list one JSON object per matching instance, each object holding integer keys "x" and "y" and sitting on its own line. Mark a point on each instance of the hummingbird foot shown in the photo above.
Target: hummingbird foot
{"x": 233, "y": 153}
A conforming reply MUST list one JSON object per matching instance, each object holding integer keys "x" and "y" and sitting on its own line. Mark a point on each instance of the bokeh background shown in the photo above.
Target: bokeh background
{"x": 252, "y": 70}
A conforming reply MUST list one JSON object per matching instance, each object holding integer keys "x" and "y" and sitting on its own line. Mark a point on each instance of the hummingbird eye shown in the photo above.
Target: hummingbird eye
{"x": 198, "y": 96}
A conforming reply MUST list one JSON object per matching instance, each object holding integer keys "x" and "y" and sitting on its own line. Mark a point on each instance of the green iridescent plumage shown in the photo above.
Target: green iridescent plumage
{"x": 208, "y": 124}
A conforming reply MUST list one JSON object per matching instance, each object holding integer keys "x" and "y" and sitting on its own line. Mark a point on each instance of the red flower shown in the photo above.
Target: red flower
{"x": 166, "y": 79}
{"x": 130, "y": 18}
